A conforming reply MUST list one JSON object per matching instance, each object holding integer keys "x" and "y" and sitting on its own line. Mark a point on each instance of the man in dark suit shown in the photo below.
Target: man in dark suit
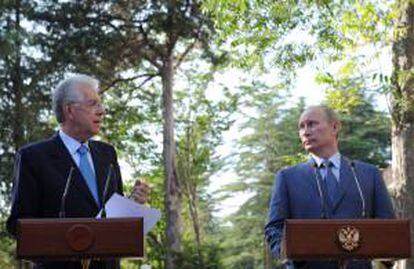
{"x": 42, "y": 168}
{"x": 324, "y": 186}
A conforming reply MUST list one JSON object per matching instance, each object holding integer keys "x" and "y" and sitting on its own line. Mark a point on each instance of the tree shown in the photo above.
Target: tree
{"x": 200, "y": 124}
{"x": 22, "y": 98}
{"x": 402, "y": 112}
{"x": 270, "y": 144}
{"x": 365, "y": 133}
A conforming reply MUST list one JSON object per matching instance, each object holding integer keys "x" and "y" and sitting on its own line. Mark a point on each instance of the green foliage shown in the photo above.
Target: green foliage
{"x": 24, "y": 94}
{"x": 366, "y": 132}
{"x": 132, "y": 119}
{"x": 270, "y": 144}
{"x": 154, "y": 246}
{"x": 200, "y": 124}
{"x": 7, "y": 247}
{"x": 253, "y": 28}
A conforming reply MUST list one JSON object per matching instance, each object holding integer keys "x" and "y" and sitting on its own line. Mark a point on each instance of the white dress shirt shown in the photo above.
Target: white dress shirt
{"x": 335, "y": 160}
{"x": 73, "y": 145}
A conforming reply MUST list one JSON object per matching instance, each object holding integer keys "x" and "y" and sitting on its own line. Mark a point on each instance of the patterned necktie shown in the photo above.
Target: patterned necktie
{"x": 330, "y": 181}
{"x": 87, "y": 173}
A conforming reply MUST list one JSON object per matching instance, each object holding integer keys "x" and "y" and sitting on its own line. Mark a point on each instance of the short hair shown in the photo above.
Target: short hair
{"x": 67, "y": 92}
{"x": 330, "y": 114}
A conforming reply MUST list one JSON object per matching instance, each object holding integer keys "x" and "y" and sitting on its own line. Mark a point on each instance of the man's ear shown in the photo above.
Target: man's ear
{"x": 337, "y": 126}
{"x": 67, "y": 112}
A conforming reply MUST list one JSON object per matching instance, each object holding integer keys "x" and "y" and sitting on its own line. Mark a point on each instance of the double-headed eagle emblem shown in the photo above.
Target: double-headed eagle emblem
{"x": 349, "y": 238}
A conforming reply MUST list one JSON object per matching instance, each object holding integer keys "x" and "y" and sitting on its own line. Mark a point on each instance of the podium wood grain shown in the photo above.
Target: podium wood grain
{"x": 317, "y": 239}
{"x": 78, "y": 238}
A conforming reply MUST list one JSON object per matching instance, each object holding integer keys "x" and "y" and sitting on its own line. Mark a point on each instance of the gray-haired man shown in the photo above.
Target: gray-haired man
{"x": 42, "y": 168}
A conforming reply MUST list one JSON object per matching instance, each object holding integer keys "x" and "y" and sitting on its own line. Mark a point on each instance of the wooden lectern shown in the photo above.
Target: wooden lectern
{"x": 79, "y": 238}
{"x": 306, "y": 239}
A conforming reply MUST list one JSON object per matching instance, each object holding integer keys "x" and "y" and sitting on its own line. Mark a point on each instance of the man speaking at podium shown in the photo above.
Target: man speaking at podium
{"x": 69, "y": 162}
{"x": 329, "y": 186}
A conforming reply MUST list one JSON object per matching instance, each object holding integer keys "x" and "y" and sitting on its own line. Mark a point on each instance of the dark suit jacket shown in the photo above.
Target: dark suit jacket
{"x": 296, "y": 196}
{"x": 40, "y": 174}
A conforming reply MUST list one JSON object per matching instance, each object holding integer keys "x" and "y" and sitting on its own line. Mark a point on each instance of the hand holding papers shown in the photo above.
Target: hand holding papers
{"x": 119, "y": 207}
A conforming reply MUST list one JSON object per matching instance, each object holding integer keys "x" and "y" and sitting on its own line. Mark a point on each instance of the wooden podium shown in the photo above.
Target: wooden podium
{"x": 79, "y": 238}
{"x": 346, "y": 239}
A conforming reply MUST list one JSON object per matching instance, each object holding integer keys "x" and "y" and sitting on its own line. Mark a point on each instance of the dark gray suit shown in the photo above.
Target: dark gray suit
{"x": 40, "y": 174}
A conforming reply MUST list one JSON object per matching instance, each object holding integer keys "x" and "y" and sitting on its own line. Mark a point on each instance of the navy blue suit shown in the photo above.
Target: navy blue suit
{"x": 296, "y": 196}
{"x": 40, "y": 174}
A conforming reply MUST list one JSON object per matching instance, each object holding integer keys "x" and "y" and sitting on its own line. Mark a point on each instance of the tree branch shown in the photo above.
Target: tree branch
{"x": 148, "y": 76}
{"x": 151, "y": 57}
{"x": 185, "y": 53}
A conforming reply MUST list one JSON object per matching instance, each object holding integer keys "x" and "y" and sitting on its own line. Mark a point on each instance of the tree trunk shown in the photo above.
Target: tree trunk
{"x": 190, "y": 186}
{"x": 192, "y": 204}
{"x": 402, "y": 101}
{"x": 172, "y": 185}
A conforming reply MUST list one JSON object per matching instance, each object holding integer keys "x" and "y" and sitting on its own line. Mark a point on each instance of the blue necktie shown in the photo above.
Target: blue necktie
{"x": 87, "y": 173}
{"x": 330, "y": 181}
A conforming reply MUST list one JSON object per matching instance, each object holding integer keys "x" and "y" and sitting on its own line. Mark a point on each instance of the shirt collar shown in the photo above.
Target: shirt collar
{"x": 335, "y": 159}
{"x": 71, "y": 143}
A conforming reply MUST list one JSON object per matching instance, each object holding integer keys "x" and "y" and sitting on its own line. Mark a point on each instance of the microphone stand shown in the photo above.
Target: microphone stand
{"x": 342, "y": 263}
{"x": 85, "y": 263}
{"x": 62, "y": 212}
{"x": 105, "y": 192}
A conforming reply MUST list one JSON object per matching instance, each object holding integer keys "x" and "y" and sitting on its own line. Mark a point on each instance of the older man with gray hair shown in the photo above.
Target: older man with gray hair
{"x": 42, "y": 168}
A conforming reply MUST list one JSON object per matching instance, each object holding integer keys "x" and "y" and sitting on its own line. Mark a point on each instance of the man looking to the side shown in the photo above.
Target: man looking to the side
{"x": 42, "y": 168}
{"x": 296, "y": 194}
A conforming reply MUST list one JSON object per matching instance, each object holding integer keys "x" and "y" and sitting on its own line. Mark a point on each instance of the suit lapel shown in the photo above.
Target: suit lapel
{"x": 311, "y": 178}
{"x": 64, "y": 162}
{"x": 345, "y": 178}
{"x": 61, "y": 156}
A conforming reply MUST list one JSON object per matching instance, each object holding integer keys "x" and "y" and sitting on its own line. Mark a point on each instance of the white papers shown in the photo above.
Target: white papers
{"x": 120, "y": 207}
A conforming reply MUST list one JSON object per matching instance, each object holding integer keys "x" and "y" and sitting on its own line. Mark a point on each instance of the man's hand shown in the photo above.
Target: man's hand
{"x": 140, "y": 192}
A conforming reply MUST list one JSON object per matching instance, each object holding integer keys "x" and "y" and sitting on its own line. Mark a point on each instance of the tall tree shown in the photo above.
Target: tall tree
{"x": 24, "y": 76}
{"x": 403, "y": 112}
{"x": 200, "y": 124}
{"x": 270, "y": 144}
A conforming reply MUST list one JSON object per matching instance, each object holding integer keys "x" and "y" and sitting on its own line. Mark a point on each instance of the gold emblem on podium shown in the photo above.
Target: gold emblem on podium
{"x": 349, "y": 238}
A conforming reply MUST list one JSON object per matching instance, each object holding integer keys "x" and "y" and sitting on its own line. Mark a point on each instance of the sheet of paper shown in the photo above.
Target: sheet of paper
{"x": 119, "y": 207}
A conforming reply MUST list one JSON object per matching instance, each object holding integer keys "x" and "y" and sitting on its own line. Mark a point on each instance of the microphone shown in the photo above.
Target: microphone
{"x": 62, "y": 212}
{"x": 361, "y": 194}
{"x": 105, "y": 192}
{"x": 321, "y": 193}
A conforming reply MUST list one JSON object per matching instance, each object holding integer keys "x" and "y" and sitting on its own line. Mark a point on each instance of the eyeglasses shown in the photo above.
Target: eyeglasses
{"x": 94, "y": 105}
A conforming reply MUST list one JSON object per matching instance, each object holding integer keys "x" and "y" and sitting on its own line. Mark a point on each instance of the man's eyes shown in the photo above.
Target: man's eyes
{"x": 92, "y": 102}
{"x": 308, "y": 124}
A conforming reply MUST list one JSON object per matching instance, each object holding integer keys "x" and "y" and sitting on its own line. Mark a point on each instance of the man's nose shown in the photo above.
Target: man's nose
{"x": 101, "y": 111}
